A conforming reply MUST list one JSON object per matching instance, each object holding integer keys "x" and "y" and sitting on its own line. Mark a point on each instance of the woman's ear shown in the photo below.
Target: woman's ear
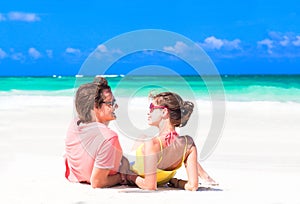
{"x": 165, "y": 113}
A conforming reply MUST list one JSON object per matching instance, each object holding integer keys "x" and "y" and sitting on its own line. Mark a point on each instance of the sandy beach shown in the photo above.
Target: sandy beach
{"x": 257, "y": 159}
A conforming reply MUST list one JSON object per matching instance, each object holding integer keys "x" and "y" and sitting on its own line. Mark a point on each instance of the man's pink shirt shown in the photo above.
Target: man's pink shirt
{"x": 91, "y": 145}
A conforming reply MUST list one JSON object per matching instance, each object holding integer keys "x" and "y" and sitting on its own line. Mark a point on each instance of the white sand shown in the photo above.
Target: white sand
{"x": 256, "y": 161}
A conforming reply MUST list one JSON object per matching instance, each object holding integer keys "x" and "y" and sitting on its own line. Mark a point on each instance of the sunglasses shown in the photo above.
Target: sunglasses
{"x": 112, "y": 104}
{"x": 152, "y": 107}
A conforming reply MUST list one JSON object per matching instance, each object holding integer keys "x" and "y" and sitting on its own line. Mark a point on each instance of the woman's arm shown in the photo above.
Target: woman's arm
{"x": 192, "y": 172}
{"x": 191, "y": 169}
{"x": 149, "y": 181}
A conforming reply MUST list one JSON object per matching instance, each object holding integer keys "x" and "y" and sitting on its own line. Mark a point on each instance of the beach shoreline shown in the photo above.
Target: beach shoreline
{"x": 257, "y": 159}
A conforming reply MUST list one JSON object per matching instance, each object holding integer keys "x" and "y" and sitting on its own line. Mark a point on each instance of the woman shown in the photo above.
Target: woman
{"x": 158, "y": 159}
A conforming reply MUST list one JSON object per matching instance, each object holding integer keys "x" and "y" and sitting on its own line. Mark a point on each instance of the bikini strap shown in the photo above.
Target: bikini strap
{"x": 161, "y": 150}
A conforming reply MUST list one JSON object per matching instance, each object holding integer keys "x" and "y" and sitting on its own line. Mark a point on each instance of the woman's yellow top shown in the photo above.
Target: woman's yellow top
{"x": 162, "y": 176}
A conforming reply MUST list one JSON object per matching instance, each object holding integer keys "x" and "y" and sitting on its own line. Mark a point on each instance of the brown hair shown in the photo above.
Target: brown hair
{"x": 180, "y": 111}
{"x": 99, "y": 97}
{"x": 85, "y": 99}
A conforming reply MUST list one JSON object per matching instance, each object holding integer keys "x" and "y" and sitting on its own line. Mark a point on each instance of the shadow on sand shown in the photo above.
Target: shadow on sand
{"x": 130, "y": 189}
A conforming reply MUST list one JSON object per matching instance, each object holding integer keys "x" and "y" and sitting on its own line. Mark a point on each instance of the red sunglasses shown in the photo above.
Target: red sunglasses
{"x": 152, "y": 107}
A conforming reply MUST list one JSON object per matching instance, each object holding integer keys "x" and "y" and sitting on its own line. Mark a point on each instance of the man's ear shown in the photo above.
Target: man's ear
{"x": 95, "y": 107}
{"x": 93, "y": 114}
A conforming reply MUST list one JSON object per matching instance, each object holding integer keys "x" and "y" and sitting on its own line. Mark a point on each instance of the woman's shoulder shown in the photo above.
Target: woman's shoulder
{"x": 153, "y": 144}
{"x": 184, "y": 140}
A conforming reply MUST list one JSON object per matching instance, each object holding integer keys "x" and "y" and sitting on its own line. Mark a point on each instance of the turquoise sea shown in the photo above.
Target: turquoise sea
{"x": 282, "y": 88}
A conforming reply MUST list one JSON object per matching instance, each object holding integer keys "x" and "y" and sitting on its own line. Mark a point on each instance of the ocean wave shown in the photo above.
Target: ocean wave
{"x": 17, "y": 92}
{"x": 102, "y": 75}
{"x": 242, "y": 88}
{"x": 263, "y": 93}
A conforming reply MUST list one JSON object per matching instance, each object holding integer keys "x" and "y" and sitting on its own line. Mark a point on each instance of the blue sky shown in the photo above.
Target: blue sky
{"x": 45, "y": 38}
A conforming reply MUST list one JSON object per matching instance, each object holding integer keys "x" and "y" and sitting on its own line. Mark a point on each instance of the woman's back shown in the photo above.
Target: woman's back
{"x": 174, "y": 154}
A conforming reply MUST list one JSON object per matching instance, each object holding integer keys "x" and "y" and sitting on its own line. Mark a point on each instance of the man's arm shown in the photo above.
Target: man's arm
{"x": 101, "y": 179}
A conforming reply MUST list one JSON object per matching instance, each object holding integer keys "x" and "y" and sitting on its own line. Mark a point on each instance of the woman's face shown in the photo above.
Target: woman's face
{"x": 106, "y": 113}
{"x": 155, "y": 114}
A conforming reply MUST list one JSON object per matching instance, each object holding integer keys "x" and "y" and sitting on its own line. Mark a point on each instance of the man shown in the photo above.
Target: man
{"x": 93, "y": 151}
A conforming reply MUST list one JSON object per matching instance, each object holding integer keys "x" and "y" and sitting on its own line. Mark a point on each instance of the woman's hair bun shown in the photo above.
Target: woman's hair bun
{"x": 186, "y": 111}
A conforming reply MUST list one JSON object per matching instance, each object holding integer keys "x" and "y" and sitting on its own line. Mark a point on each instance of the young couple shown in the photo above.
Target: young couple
{"x": 94, "y": 154}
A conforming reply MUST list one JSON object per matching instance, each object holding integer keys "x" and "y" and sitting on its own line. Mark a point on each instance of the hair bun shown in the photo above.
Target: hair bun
{"x": 187, "y": 106}
{"x": 186, "y": 111}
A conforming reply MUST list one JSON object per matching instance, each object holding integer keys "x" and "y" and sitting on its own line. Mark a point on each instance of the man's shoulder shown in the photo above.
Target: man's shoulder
{"x": 106, "y": 131}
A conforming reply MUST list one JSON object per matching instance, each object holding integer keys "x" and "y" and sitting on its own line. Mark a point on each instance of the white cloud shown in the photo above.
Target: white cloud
{"x": 71, "y": 50}
{"x": 279, "y": 40}
{"x": 107, "y": 54}
{"x": 213, "y": 43}
{"x": 21, "y": 16}
{"x": 285, "y": 41}
{"x": 234, "y": 44}
{"x": 268, "y": 43}
{"x": 179, "y": 47}
{"x": 2, "y": 17}
{"x": 2, "y": 54}
{"x": 297, "y": 42}
{"x": 102, "y": 48}
{"x": 34, "y": 53}
{"x": 280, "y": 45}
{"x": 49, "y": 53}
